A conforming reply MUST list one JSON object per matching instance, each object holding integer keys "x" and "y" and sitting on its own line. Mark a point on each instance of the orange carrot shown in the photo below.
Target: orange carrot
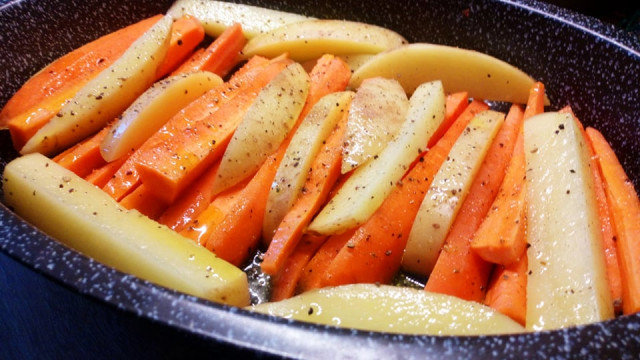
{"x": 501, "y": 239}
{"x": 200, "y": 227}
{"x": 535, "y": 103}
{"x": 25, "y": 125}
{"x": 238, "y": 232}
{"x": 193, "y": 202}
{"x": 73, "y": 69}
{"x": 324, "y": 172}
{"x": 609, "y": 246}
{"x": 197, "y": 136}
{"x": 374, "y": 252}
{"x": 85, "y": 156}
{"x": 459, "y": 271}
{"x": 143, "y": 200}
{"x": 220, "y": 57}
{"x": 127, "y": 178}
{"x": 454, "y": 106}
{"x": 314, "y": 271}
{"x": 100, "y": 176}
{"x": 186, "y": 34}
{"x": 283, "y": 284}
{"x": 508, "y": 290}
{"x": 625, "y": 213}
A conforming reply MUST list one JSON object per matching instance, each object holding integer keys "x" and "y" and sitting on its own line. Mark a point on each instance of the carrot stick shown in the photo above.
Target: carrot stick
{"x": 454, "y": 106}
{"x": 314, "y": 271}
{"x": 73, "y": 69}
{"x": 193, "y": 202}
{"x": 535, "y": 103}
{"x": 501, "y": 239}
{"x": 625, "y": 213}
{"x": 186, "y": 34}
{"x": 508, "y": 290}
{"x": 238, "y": 233}
{"x": 25, "y": 125}
{"x": 127, "y": 178}
{"x": 220, "y": 57}
{"x": 283, "y": 284}
{"x": 85, "y": 156}
{"x": 459, "y": 271}
{"x": 609, "y": 246}
{"x": 143, "y": 200}
{"x": 100, "y": 176}
{"x": 197, "y": 136}
{"x": 324, "y": 172}
{"x": 374, "y": 252}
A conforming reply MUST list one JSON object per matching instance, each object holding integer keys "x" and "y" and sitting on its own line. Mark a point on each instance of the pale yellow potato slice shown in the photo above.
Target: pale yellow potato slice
{"x": 85, "y": 218}
{"x": 305, "y": 145}
{"x": 371, "y": 183}
{"x": 567, "y": 283}
{"x": 375, "y": 116}
{"x": 152, "y": 110}
{"x": 448, "y": 190}
{"x": 483, "y": 76}
{"x": 216, "y": 16}
{"x": 311, "y": 39}
{"x": 355, "y": 61}
{"x": 392, "y": 309}
{"x": 265, "y": 125}
{"x": 107, "y": 95}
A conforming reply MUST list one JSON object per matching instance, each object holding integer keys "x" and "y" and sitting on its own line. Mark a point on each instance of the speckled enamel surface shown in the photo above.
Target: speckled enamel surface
{"x": 583, "y": 62}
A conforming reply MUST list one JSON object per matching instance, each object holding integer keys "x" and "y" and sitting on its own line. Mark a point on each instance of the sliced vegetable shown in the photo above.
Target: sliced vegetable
{"x": 216, "y": 16}
{"x": 311, "y": 39}
{"x": 501, "y": 239}
{"x": 305, "y": 144}
{"x": 153, "y": 109}
{"x": 376, "y": 114}
{"x": 392, "y": 309}
{"x": 83, "y": 217}
{"x": 508, "y": 290}
{"x": 84, "y": 157}
{"x": 485, "y": 77}
{"x": 447, "y": 192}
{"x": 220, "y": 57}
{"x": 186, "y": 34}
{"x": 370, "y": 185}
{"x": 265, "y": 124}
{"x": 625, "y": 212}
{"x": 143, "y": 200}
{"x": 107, "y": 95}
{"x": 567, "y": 283}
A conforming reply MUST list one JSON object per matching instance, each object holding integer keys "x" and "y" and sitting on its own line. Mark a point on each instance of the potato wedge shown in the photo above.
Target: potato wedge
{"x": 483, "y": 76}
{"x": 265, "y": 125}
{"x": 447, "y": 192}
{"x": 216, "y": 16}
{"x": 567, "y": 281}
{"x": 311, "y": 39}
{"x": 392, "y": 309}
{"x": 107, "y": 95}
{"x": 153, "y": 109}
{"x": 355, "y": 61}
{"x": 85, "y": 218}
{"x": 375, "y": 117}
{"x": 371, "y": 183}
{"x": 305, "y": 144}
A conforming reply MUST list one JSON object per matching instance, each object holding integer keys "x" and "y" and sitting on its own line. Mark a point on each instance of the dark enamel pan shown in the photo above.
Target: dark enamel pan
{"x": 583, "y": 62}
